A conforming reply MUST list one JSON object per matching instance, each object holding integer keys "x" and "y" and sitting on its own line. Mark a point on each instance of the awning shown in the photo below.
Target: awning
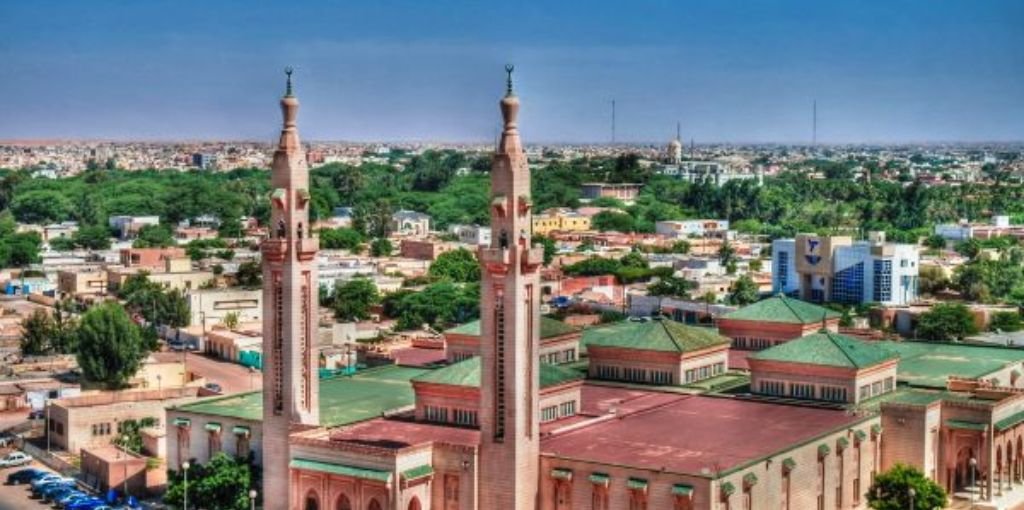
{"x": 750, "y": 479}
{"x": 598, "y": 479}
{"x": 876, "y": 429}
{"x": 241, "y": 430}
{"x": 823, "y": 450}
{"x": 842, "y": 443}
{"x": 966, "y": 425}
{"x": 212, "y": 427}
{"x": 728, "y": 488}
{"x": 182, "y": 422}
{"x": 1010, "y": 421}
{"x": 377, "y": 475}
{"x": 860, "y": 435}
{"x": 561, "y": 474}
{"x": 682, "y": 489}
{"x": 637, "y": 484}
{"x": 417, "y": 472}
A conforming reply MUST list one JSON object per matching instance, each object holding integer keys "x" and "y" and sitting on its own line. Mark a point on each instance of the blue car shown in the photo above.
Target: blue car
{"x": 24, "y": 476}
{"x": 90, "y": 503}
{"x": 46, "y": 490}
{"x": 56, "y": 491}
{"x": 69, "y": 498}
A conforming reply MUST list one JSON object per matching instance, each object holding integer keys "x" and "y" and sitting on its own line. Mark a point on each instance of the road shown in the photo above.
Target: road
{"x": 232, "y": 377}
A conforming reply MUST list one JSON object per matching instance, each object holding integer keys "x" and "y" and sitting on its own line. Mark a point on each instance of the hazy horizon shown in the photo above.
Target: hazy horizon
{"x": 906, "y": 72}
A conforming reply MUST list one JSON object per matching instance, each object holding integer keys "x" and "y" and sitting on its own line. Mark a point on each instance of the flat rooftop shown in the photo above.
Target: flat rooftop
{"x": 929, "y": 364}
{"x": 343, "y": 399}
{"x": 396, "y": 434}
{"x": 691, "y": 434}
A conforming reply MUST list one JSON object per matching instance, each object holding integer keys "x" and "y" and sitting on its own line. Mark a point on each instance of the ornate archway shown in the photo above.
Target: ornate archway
{"x": 312, "y": 501}
{"x": 374, "y": 505}
{"x": 343, "y": 503}
{"x": 414, "y": 504}
{"x": 963, "y": 468}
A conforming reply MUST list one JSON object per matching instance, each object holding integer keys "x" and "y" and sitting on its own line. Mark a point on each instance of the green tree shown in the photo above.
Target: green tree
{"x": 353, "y": 299}
{"x": 743, "y": 291}
{"x": 593, "y": 266}
{"x": 891, "y": 490}
{"x": 606, "y": 221}
{"x": 681, "y": 247}
{"x": 550, "y": 249}
{"x": 1006, "y": 322}
{"x": 935, "y": 242}
{"x": 726, "y": 253}
{"x": 38, "y": 330}
{"x": 230, "y": 320}
{"x": 154, "y": 236}
{"x": 40, "y": 206}
{"x": 946, "y": 322}
{"x": 457, "y": 265}
{"x": 672, "y": 286}
{"x": 93, "y": 237}
{"x": 230, "y": 228}
{"x": 249, "y": 275}
{"x": 110, "y": 345}
{"x": 223, "y": 483}
{"x": 931, "y": 279}
{"x": 438, "y": 304}
{"x": 341, "y": 239}
{"x": 381, "y": 247}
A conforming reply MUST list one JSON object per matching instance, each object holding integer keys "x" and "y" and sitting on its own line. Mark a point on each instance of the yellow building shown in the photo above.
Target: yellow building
{"x": 564, "y": 220}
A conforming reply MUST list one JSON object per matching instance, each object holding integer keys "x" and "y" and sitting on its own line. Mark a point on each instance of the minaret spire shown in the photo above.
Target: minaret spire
{"x": 288, "y": 90}
{"x": 508, "y": 80}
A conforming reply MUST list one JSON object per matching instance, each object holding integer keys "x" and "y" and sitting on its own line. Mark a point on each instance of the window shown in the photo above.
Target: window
{"x": 567, "y": 408}
{"x": 563, "y": 495}
{"x": 883, "y": 280}
{"x": 242, "y": 445}
{"x": 661, "y": 377}
{"x": 213, "y": 443}
{"x": 435, "y": 414}
{"x": 773, "y": 387}
{"x": 465, "y": 417}
{"x": 801, "y": 390}
{"x": 344, "y": 503}
{"x": 889, "y": 384}
{"x": 848, "y": 284}
{"x": 451, "y": 492}
{"x": 549, "y": 413}
{"x": 833, "y": 393}
{"x": 599, "y": 498}
{"x": 865, "y": 392}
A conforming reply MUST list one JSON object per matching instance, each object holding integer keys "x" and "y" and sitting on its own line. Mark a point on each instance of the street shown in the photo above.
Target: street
{"x": 232, "y": 377}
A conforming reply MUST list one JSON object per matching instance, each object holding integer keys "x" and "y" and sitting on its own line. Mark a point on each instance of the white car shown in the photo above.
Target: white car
{"x": 15, "y": 459}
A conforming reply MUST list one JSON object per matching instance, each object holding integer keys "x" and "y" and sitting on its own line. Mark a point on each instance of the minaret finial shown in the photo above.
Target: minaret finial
{"x": 508, "y": 83}
{"x": 288, "y": 72}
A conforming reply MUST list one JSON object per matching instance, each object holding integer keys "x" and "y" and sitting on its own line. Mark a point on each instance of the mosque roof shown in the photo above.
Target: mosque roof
{"x": 653, "y": 335}
{"x": 467, "y": 373}
{"x": 549, "y": 328}
{"x": 782, "y": 308}
{"x": 828, "y": 348}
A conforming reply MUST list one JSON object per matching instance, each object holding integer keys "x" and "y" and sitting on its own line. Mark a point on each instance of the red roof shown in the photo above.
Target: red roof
{"x": 395, "y": 435}
{"x": 738, "y": 359}
{"x": 694, "y": 433}
{"x": 417, "y": 356}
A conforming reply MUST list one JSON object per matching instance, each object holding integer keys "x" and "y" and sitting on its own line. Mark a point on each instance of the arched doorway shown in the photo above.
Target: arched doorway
{"x": 343, "y": 503}
{"x": 414, "y": 504}
{"x": 963, "y": 468}
{"x": 1011, "y": 461}
{"x": 374, "y": 505}
{"x": 312, "y": 501}
{"x": 999, "y": 467}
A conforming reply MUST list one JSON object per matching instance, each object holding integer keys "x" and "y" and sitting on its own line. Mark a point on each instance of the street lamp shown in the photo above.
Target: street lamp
{"x": 252, "y": 499}
{"x": 159, "y": 382}
{"x": 124, "y": 444}
{"x": 974, "y": 464}
{"x": 911, "y": 493}
{"x": 184, "y": 467}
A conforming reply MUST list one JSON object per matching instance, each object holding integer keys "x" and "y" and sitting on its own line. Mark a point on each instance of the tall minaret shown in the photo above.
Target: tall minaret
{"x": 289, "y": 308}
{"x": 509, "y": 313}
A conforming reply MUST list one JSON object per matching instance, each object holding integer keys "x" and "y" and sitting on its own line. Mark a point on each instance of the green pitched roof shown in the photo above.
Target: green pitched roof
{"x": 828, "y": 348}
{"x": 782, "y": 308}
{"x": 378, "y": 475}
{"x": 653, "y": 335}
{"x": 549, "y": 328}
{"x": 467, "y": 373}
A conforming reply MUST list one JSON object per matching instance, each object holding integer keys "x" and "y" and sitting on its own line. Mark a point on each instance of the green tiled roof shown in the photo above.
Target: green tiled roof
{"x": 782, "y": 308}
{"x": 417, "y": 472}
{"x": 341, "y": 469}
{"x": 966, "y": 425}
{"x": 929, "y": 364}
{"x": 827, "y": 348}
{"x": 212, "y": 427}
{"x": 549, "y": 328}
{"x": 636, "y": 483}
{"x": 653, "y": 335}
{"x": 789, "y": 463}
{"x": 343, "y": 399}
{"x": 1010, "y": 421}
{"x": 598, "y": 478}
{"x": 682, "y": 489}
{"x": 182, "y": 422}
{"x": 467, "y": 373}
{"x": 561, "y": 473}
{"x": 240, "y": 430}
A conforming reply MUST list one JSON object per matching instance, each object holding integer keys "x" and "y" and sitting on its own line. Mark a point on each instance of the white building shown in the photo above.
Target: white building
{"x": 128, "y": 227}
{"x": 410, "y": 223}
{"x": 837, "y": 269}
{"x": 714, "y": 172}
{"x": 471, "y": 234}
{"x": 691, "y": 228}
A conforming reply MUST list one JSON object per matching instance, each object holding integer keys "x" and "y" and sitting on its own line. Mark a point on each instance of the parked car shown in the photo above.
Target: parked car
{"x": 88, "y": 503}
{"x": 25, "y": 476}
{"x": 36, "y": 414}
{"x": 70, "y": 498}
{"x": 50, "y": 481}
{"x": 214, "y": 387}
{"x": 15, "y": 459}
{"x": 56, "y": 490}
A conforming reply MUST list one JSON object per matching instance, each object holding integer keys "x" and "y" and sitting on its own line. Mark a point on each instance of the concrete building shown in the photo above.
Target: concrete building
{"x": 475, "y": 235}
{"x": 710, "y": 172}
{"x": 560, "y": 220}
{"x": 128, "y": 227}
{"x": 209, "y": 307}
{"x": 681, "y": 229}
{"x": 152, "y": 259}
{"x": 425, "y": 249}
{"x": 73, "y": 284}
{"x": 624, "y": 191}
{"x": 410, "y": 223}
{"x": 559, "y": 342}
{"x": 838, "y": 269}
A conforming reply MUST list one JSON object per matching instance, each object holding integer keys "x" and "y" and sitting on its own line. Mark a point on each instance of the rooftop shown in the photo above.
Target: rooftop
{"x": 781, "y": 308}
{"x": 343, "y": 399}
{"x": 549, "y": 328}
{"x": 929, "y": 364}
{"x": 467, "y": 373}
{"x": 698, "y": 435}
{"x": 653, "y": 335}
{"x": 828, "y": 348}
{"x": 395, "y": 434}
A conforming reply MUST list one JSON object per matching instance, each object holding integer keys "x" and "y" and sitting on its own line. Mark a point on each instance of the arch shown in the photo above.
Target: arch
{"x": 312, "y": 501}
{"x": 343, "y": 503}
{"x": 415, "y": 504}
{"x": 963, "y": 467}
{"x": 374, "y": 505}
{"x": 1019, "y": 457}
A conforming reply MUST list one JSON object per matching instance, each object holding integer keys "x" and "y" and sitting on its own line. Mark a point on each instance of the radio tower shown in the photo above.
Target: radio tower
{"x": 613, "y": 122}
{"x": 814, "y": 124}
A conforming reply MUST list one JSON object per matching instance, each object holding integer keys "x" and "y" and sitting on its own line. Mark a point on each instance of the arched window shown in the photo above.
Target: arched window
{"x": 374, "y": 505}
{"x": 343, "y": 503}
{"x": 312, "y": 501}
{"x": 414, "y": 504}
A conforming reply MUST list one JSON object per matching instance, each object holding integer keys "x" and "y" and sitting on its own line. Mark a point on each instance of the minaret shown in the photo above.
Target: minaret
{"x": 289, "y": 308}
{"x": 509, "y": 313}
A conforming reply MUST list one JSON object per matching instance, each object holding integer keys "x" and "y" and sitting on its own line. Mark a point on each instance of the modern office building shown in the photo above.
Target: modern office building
{"x": 836, "y": 268}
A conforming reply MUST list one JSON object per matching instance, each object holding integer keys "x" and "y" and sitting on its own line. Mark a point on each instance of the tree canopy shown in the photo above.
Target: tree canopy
{"x": 891, "y": 490}
{"x": 223, "y": 483}
{"x": 110, "y": 346}
{"x": 459, "y": 265}
{"x": 946, "y": 322}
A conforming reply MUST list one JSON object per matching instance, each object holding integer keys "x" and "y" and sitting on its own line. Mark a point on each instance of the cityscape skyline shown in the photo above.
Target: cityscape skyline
{"x": 909, "y": 73}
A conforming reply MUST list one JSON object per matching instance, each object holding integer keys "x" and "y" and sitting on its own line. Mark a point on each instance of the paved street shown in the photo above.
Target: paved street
{"x": 232, "y": 377}
{"x": 18, "y": 497}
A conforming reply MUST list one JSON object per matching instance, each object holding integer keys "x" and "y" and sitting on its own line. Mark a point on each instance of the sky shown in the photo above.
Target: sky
{"x": 887, "y": 71}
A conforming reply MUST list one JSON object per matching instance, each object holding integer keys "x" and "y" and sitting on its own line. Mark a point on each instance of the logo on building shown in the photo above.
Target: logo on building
{"x": 813, "y": 252}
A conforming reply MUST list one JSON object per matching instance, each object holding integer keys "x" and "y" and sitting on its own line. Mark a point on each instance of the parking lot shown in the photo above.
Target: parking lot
{"x": 18, "y": 497}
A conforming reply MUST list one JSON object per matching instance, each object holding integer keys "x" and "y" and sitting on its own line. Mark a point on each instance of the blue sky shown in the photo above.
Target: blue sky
{"x": 733, "y": 71}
